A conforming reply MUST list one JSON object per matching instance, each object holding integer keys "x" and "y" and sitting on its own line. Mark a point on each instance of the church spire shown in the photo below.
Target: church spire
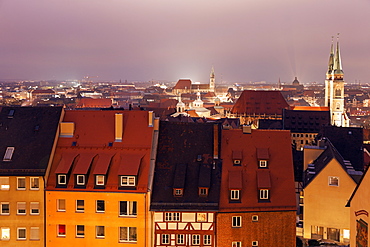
{"x": 337, "y": 61}
{"x": 212, "y": 80}
{"x": 331, "y": 59}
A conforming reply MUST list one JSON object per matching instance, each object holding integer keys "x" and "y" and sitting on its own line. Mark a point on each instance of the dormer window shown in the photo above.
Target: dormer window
{"x": 8, "y": 154}
{"x": 264, "y": 194}
{"x": 99, "y": 180}
{"x": 128, "y": 181}
{"x": 203, "y": 191}
{"x": 263, "y": 163}
{"x": 237, "y": 162}
{"x": 237, "y": 157}
{"x": 177, "y": 192}
{"x": 80, "y": 179}
{"x": 234, "y": 195}
{"x": 62, "y": 179}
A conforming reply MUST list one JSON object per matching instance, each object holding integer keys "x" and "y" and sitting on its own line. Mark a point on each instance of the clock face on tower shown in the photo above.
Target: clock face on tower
{"x": 201, "y": 217}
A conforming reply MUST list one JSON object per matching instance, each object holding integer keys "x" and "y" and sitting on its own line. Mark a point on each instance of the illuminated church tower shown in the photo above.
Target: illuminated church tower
{"x": 334, "y": 89}
{"x": 212, "y": 81}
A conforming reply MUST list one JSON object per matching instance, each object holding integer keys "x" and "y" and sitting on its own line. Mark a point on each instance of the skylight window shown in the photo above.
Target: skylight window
{"x": 8, "y": 154}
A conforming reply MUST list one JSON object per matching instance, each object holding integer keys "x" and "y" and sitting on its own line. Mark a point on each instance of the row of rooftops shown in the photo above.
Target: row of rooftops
{"x": 114, "y": 151}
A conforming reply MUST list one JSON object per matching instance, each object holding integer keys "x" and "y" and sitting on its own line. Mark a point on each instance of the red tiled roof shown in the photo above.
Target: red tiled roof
{"x": 182, "y": 84}
{"x": 278, "y": 177}
{"x": 66, "y": 162}
{"x": 263, "y": 153}
{"x": 235, "y": 180}
{"x": 43, "y": 91}
{"x": 237, "y": 155}
{"x": 83, "y": 163}
{"x": 95, "y": 103}
{"x": 310, "y": 108}
{"x": 130, "y": 164}
{"x": 260, "y": 102}
{"x": 103, "y": 161}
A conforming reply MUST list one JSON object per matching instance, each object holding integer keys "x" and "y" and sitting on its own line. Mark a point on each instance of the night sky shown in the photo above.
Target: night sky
{"x": 142, "y": 40}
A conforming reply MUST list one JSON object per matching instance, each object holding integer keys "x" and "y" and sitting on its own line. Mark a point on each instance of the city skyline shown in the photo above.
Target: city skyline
{"x": 167, "y": 40}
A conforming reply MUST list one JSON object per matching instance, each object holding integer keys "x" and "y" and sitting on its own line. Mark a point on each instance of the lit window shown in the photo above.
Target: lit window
{"x": 80, "y": 205}
{"x": 180, "y": 239}
{"x": 100, "y": 232}
{"x": 5, "y": 208}
{"x": 99, "y": 180}
{"x": 4, "y": 183}
{"x": 128, "y": 181}
{"x": 196, "y": 239}
{"x": 264, "y": 194}
{"x": 80, "y": 179}
{"x": 172, "y": 216}
{"x": 21, "y": 233}
{"x": 236, "y": 244}
{"x": 8, "y": 154}
{"x": 21, "y": 183}
{"x": 234, "y": 194}
{"x": 100, "y": 206}
{"x": 34, "y": 233}
{"x": 80, "y": 231}
{"x": 21, "y": 208}
{"x": 62, "y": 179}
{"x": 207, "y": 240}
{"x": 34, "y": 208}
{"x": 5, "y": 233}
{"x": 203, "y": 191}
{"x": 165, "y": 238}
{"x": 333, "y": 181}
{"x": 61, "y": 205}
{"x": 34, "y": 183}
{"x": 236, "y": 221}
{"x": 61, "y": 230}
{"x": 127, "y": 234}
{"x": 178, "y": 192}
{"x": 127, "y": 208}
{"x": 263, "y": 163}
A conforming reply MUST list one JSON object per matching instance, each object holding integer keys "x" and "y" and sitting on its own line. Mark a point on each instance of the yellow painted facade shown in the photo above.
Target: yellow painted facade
{"x": 359, "y": 211}
{"x": 324, "y": 204}
{"x": 90, "y": 219}
{"x": 19, "y": 226}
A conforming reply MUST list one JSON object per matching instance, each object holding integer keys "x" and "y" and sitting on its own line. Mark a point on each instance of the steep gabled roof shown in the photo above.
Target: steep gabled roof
{"x": 185, "y": 161}
{"x": 182, "y": 84}
{"x": 260, "y": 102}
{"x": 31, "y": 132}
{"x": 323, "y": 160}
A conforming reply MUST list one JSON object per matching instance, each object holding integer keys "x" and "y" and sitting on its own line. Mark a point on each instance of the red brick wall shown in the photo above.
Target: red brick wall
{"x": 272, "y": 229}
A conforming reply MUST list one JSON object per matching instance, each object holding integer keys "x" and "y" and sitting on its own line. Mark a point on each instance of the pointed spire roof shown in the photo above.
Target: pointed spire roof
{"x": 212, "y": 75}
{"x": 337, "y": 60}
{"x": 331, "y": 57}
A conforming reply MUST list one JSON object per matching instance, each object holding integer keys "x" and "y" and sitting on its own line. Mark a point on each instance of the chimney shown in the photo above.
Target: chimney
{"x": 150, "y": 118}
{"x": 118, "y": 133}
{"x": 247, "y": 129}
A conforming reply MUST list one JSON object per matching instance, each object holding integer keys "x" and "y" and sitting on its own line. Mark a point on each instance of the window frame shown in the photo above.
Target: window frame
{"x": 77, "y": 231}
{"x": 4, "y": 183}
{"x": 129, "y": 229}
{"x": 78, "y": 210}
{"x": 2, "y": 209}
{"x": 165, "y": 238}
{"x": 32, "y": 208}
{"x": 32, "y": 180}
{"x": 98, "y": 179}
{"x": 59, "y": 209}
{"x": 60, "y": 176}
{"x": 264, "y": 194}
{"x": 172, "y": 216}
{"x": 236, "y": 244}
{"x": 18, "y": 183}
{"x": 207, "y": 239}
{"x": 263, "y": 163}
{"x": 8, "y": 155}
{"x": 34, "y": 230}
{"x": 178, "y": 192}
{"x": 2, "y": 231}
{"x": 236, "y": 221}
{"x": 19, "y": 207}
{"x": 18, "y": 233}
{"x": 254, "y": 243}
{"x": 61, "y": 233}
{"x": 180, "y": 239}
{"x": 203, "y": 191}
{"x": 97, "y": 230}
{"x": 331, "y": 179}
{"x": 131, "y": 209}
{"x": 78, "y": 177}
{"x": 128, "y": 183}
{"x": 195, "y": 239}
{"x": 97, "y": 210}
{"x": 234, "y": 195}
